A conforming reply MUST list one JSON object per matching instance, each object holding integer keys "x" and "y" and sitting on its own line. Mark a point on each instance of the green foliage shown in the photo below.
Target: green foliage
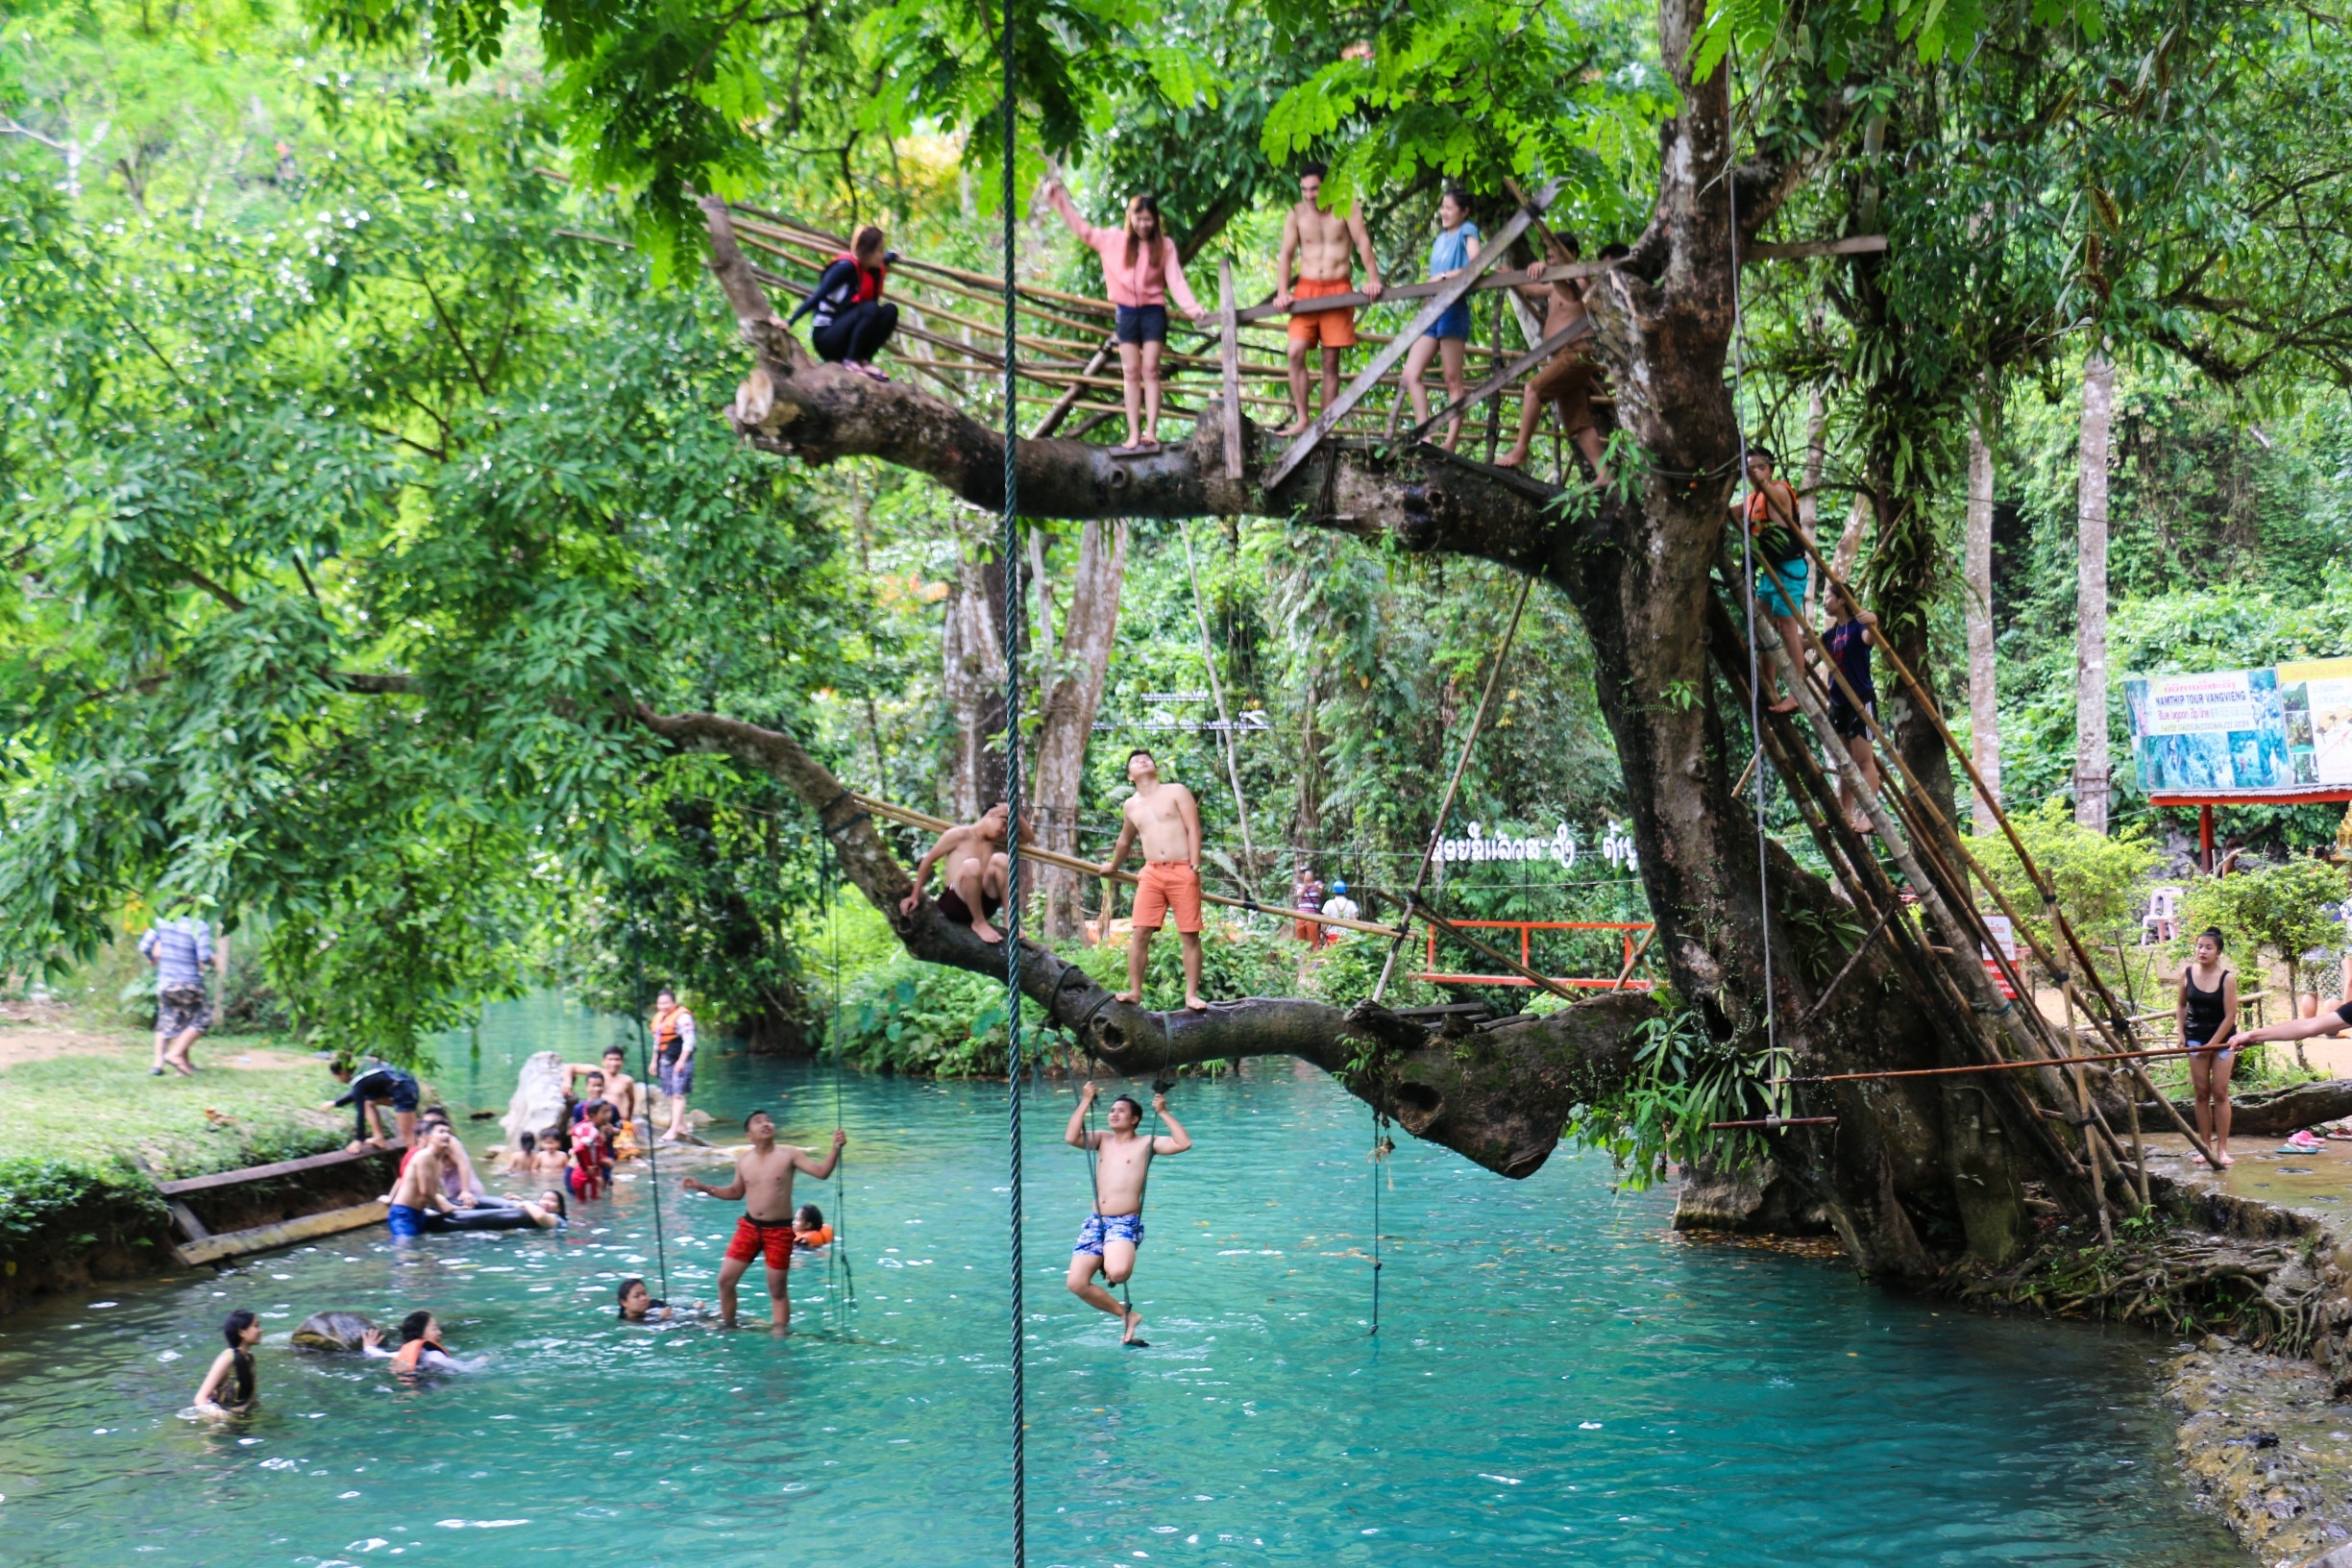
{"x": 2280, "y": 910}
{"x": 1683, "y": 1081}
{"x": 53, "y": 1208}
{"x": 2100, "y": 881}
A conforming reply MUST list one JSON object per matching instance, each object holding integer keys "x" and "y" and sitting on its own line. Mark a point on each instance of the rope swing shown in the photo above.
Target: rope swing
{"x": 837, "y": 1256}
{"x": 1011, "y": 558}
{"x": 645, "y": 1094}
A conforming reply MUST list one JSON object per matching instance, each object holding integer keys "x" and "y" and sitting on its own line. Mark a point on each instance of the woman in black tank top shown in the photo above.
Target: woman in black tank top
{"x": 228, "y": 1387}
{"x": 2207, "y": 1015}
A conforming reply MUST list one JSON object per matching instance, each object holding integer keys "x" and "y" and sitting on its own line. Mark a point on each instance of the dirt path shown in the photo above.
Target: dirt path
{"x": 20, "y": 1043}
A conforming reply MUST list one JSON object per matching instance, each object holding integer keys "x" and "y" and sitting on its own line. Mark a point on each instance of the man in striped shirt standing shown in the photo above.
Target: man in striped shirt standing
{"x": 180, "y": 947}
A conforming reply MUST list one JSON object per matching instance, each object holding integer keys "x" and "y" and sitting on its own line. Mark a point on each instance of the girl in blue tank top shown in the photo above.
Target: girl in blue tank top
{"x": 1448, "y": 338}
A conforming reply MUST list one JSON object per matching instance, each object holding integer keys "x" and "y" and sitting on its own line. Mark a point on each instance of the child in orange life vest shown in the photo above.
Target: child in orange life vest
{"x": 809, "y": 1228}
{"x": 420, "y": 1346}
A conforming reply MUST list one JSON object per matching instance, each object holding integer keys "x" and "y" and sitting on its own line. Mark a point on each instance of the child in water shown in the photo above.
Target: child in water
{"x": 228, "y": 1388}
{"x": 639, "y": 1305}
{"x": 809, "y": 1228}
{"x": 589, "y": 1154}
{"x": 420, "y": 1347}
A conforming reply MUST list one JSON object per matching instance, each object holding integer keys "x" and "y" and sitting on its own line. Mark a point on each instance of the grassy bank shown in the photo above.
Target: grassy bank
{"x": 78, "y": 1113}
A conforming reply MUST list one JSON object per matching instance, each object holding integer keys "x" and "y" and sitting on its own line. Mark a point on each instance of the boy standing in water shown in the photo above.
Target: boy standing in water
{"x": 1168, "y": 819}
{"x": 764, "y": 1181}
{"x": 1325, "y": 245}
{"x": 1107, "y": 1243}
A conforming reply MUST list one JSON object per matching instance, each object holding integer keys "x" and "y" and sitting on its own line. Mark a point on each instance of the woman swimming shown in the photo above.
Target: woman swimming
{"x": 228, "y": 1388}
{"x": 2206, "y": 1012}
{"x": 420, "y": 1347}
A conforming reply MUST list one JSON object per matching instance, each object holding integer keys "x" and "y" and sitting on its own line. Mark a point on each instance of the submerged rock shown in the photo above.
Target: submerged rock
{"x": 333, "y": 1331}
{"x": 2269, "y": 1448}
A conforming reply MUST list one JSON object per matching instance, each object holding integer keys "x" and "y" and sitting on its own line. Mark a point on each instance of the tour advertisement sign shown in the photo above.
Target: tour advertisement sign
{"x": 2273, "y": 728}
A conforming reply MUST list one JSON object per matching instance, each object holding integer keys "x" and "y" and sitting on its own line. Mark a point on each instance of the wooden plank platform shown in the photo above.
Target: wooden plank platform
{"x": 214, "y": 1249}
{"x": 263, "y": 1173}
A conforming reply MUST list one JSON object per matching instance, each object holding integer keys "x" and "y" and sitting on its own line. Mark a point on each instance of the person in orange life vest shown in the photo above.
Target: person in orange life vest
{"x": 674, "y": 1050}
{"x": 854, "y": 320}
{"x": 809, "y": 1228}
{"x": 420, "y": 1346}
{"x": 1780, "y": 562}
{"x": 1140, "y": 270}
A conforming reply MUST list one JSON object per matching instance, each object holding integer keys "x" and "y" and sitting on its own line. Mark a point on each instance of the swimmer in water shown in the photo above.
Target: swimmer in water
{"x": 809, "y": 1228}
{"x": 639, "y": 1305}
{"x": 764, "y": 1181}
{"x": 228, "y": 1389}
{"x": 420, "y": 1347}
{"x": 1107, "y": 1243}
{"x": 419, "y": 1191}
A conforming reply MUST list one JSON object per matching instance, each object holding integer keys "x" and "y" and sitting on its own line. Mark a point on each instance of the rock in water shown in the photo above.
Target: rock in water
{"x": 538, "y": 1100}
{"x": 333, "y": 1331}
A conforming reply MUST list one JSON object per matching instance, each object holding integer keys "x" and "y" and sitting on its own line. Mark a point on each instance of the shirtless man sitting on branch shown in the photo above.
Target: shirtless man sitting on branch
{"x": 973, "y": 873}
{"x": 1324, "y": 244}
{"x": 1168, "y": 819}
{"x": 1107, "y": 1243}
{"x": 764, "y": 1181}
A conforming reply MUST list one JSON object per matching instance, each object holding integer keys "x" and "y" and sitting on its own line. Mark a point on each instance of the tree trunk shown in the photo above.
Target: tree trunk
{"x": 1073, "y": 697}
{"x": 971, "y": 681}
{"x": 2090, "y": 763}
{"x": 1984, "y": 711}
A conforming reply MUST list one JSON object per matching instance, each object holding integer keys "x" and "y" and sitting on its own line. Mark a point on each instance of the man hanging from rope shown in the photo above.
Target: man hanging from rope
{"x": 1107, "y": 1243}
{"x": 1168, "y": 819}
{"x": 973, "y": 873}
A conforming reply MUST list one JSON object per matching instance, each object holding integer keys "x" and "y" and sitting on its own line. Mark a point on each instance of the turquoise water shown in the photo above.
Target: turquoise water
{"x": 1555, "y": 1379}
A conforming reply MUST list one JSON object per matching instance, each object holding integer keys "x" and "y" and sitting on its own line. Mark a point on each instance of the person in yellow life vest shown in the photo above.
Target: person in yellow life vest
{"x": 673, "y": 1049}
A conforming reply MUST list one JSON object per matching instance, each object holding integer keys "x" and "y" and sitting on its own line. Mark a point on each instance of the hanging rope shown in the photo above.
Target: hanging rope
{"x": 838, "y": 1255}
{"x": 1011, "y": 558}
{"x": 1382, "y": 1145}
{"x": 1755, "y": 689}
{"x": 1429, "y": 851}
{"x": 645, "y": 1094}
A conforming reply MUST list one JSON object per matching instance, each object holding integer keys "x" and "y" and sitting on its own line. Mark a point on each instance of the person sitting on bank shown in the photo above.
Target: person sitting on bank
{"x": 1448, "y": 338}
{"x": 973, "y": 869}
{"x": 1324, "y": 246}
{"x": 181, "y": 949}
{"x": 1168, "y": 819}
{"x": 1781, "y": 566}
{"x": 1140, "y": 270}
{"x": 854, "y": 320}
{"x": 372, "y": 1086}
{"x": 228, "y": 1388}
{"x": 1573, "y": 376}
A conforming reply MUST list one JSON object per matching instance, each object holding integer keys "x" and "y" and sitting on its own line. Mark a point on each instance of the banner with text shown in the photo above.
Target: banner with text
{"x": 2273, "y": 728}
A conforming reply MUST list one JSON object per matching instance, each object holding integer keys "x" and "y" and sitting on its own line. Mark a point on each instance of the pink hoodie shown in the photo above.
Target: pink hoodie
{"x": 1149, "y": 281}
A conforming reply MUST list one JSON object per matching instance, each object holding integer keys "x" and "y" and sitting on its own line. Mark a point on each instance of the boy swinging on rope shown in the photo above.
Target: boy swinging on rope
{"x": 1107, "y": 1243}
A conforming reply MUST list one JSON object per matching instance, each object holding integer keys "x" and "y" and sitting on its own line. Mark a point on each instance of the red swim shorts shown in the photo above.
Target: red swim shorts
{"x": 1165, "y": 885}
{"x": 751, "y": 1239}
{"x": 1333, "y": 329}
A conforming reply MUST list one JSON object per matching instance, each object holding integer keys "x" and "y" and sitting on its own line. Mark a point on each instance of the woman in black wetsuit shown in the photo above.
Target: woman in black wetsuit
{"x": 854, "y": 320}
{"x": 228, "y": 1388}
{"x": 2207, "y": 1015}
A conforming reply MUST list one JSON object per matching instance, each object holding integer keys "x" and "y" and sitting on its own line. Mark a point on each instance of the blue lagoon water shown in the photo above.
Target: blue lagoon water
{"x": 1556, "y": 1379}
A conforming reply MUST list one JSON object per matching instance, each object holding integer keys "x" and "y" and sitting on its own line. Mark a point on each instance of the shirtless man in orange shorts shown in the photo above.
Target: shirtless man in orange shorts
{"x": 764, "y": 1181}
{"x": 1168, "y": 819}
{"x": 1324, "y": 245}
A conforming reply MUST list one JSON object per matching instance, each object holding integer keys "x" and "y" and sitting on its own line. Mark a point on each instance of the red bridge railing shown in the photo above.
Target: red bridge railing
{"x": 1527, "y": 930}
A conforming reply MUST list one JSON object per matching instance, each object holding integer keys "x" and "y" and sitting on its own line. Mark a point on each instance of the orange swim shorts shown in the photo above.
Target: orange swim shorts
{"x": 1333, "y": 329}
{"x": 1165, "y": 885}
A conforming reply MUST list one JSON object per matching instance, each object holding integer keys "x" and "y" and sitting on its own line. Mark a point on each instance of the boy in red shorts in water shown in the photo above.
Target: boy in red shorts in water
{"x": 764, "y": 1181}
{"x": 1168, "y": 819}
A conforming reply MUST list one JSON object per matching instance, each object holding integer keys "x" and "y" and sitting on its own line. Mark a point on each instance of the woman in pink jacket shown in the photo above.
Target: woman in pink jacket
{"x": 1139, "y": 265}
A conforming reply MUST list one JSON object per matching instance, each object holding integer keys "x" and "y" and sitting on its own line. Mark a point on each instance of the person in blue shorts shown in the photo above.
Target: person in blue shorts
{"x": 1107, "y": 1240}
{"x": 1448, "y": 338}
{"x": 372, "y": 1086}
{"x": 1778, "y": 550}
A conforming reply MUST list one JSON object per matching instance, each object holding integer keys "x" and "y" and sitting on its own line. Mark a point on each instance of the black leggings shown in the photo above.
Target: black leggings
{"x": 857, "y": 333}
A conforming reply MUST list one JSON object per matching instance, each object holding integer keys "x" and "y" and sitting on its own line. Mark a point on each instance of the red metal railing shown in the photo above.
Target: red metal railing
{"x": 1525, "y": 930}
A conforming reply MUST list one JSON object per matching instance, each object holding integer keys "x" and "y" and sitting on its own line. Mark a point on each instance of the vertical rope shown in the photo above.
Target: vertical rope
{"x": 1380, "y": 1126}
{"x": 1012, "y": 556}
{"x": 838, "y": 1254}
{"x": 1756, "y": 687}
{"x": 645, "y": 1095}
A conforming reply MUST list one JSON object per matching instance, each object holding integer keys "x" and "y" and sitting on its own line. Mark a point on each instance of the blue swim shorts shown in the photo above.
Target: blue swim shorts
{"x": 1139, "y": 324}
{"x": 1101, "y": 1227}
{"x": 404, "y": 1221}
{"x": 1455, "y": 323}
{"x": 1780, "y": 586}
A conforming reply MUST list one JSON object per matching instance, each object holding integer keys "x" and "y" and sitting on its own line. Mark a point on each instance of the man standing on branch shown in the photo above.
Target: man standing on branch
{"x": 1168, "y": 819}
{"x": 973, "y": 873}
{"x": 673, "y": 1051}
{"x": 764, "y": 1182}
{"x": 1780, "y": 563}
{"x": 1107, "y": 1243}
{"x": 1324, "y": 246}
{"x": 181, "y": 949}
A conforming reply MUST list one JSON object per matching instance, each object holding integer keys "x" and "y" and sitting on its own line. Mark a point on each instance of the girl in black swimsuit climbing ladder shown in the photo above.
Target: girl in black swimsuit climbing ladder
{"x": 2206, "y": 1015}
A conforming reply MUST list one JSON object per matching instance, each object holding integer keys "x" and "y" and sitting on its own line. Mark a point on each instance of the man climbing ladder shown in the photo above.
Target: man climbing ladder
{"x": 1107, "y": 1243}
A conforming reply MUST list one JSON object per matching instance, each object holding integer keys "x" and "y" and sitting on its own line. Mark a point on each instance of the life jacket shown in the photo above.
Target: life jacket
{"x": 870, "y": 280}
{"x": 1776, "y": 539}
{"x": 409, "y": 1356}
{"x": 666, "y": 1027}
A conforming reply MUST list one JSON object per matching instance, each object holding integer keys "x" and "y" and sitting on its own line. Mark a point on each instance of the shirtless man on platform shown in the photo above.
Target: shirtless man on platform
{"x": 764, "y": 1181}
{"x": 1573, "y": 376}
{"x": 1107, "y": 1243}
{"x": 973, "y": 873}
{"x": 1168, "y": 819}
{"x": 1324, "y": 245}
